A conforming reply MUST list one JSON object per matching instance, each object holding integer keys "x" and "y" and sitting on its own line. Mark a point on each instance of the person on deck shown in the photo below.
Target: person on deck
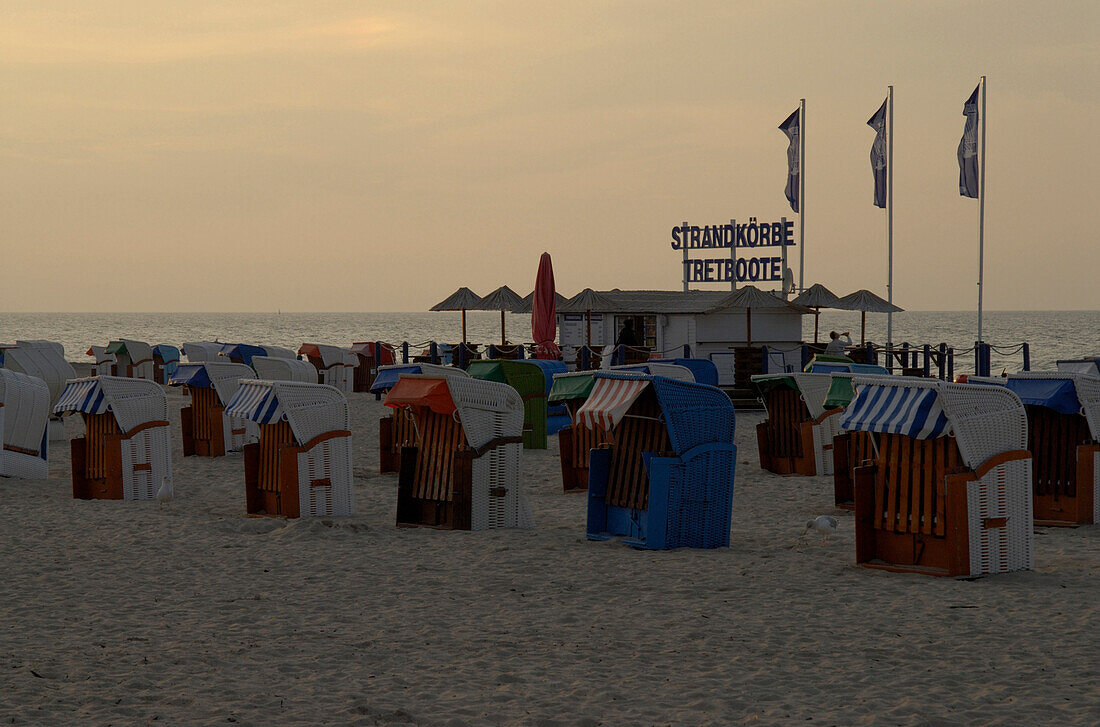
{"x": 839, "y": 342}
{"x": 628, "y": 336}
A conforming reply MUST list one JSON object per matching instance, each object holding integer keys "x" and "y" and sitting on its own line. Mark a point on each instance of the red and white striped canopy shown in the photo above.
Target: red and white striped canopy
{"x": 608, "y": 402}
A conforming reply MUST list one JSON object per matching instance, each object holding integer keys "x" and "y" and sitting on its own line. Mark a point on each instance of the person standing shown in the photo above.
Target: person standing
{"x": 627, "y": 335}
{"x": 839, "y": 342}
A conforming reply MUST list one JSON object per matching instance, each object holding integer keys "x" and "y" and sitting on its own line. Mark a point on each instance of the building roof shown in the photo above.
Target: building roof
{"x": 661, "y": 301}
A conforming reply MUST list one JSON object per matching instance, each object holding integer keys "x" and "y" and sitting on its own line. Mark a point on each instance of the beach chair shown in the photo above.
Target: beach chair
{"x": 1063, "y": 426}
{"x": 665, "y": 480}
{"x": 207, "y": 430}
{"x": 1089, "y": 366}
{"x": 270, "y": 368}
{"x": 134, "y": 359}
{"x": 527, "y": 379}
{"x": 199, "y": 351}
{"x": 949, "y": 490}
{"x": 105, "y": 363}
{"x": 396, "y": 431}
{"x": 557, "y": 416}
{"x": 652, "y": 368}
{"x": 797, "y": 436}
{"x": 704, "y": 370}
{"x": 43, "y": 360}
{"x": 301, "y": 465}
{"x": 125, "y": 452}
{"x": 823, "y": 363}
{"x": 575, "y": 441}
{"x": 335, "y": 366}
{"x": 24, "y": 418}
{"x": 850, "y": 449}
{"x": 165, "y": 360}
{"x": 370, "y": 358}
{"x": 463, "y": 470}
{"x": 244, "y": 353}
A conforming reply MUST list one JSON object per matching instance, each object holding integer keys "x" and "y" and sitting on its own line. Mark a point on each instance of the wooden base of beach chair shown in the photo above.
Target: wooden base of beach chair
{"x": 785, "y": 439}
{"x": 446, "y": 505}
{"x": 364, "y": 374}
{"x": 203, "y": 425}
{"x": 574, "y": 468}
{"x": 850, "y": 450}
{"x": 911, "y": 509}
{"x": 271, "y": 473}
{"x": 1063, "y": 469}
{"x": 395, "y": 432}
{"x": 96, "y": 458}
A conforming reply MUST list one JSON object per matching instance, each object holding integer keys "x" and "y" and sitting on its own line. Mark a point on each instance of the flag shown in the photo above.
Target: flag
{"x": 878, "y": 154}
{"x": 792, "y": 127}
{"x": 968, "y": 148}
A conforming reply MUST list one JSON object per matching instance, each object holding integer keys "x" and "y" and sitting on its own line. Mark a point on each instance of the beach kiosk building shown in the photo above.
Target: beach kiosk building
{"x": 463, "y": 472}
{"x": 125, "y": 452}
{"x": 949, "y": 489}
{"x": 301, "y": 465}
{"x": 207, "y": 430}
{"x": 24, "y": 414}
{"x": 668, "y": 320}
{"x": 666, "y": 479}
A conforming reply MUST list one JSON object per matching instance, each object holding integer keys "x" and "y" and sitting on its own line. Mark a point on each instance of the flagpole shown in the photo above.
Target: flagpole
{"x": 981, "y": 218}
{"x": 890, "y": 214}
{"x": 801, "y": 199}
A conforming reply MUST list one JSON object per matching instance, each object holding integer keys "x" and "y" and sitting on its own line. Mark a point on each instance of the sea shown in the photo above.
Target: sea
{"x": 1052, "y": 335}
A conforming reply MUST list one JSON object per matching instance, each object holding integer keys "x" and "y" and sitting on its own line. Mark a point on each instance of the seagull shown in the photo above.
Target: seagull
{"x": 164, "y": 494}
{"x": 824, "y": 524}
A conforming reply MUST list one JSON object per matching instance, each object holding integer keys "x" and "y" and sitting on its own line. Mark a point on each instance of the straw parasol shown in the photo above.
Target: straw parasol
{"x": 866, "y": 302}
{"x": 462, "y": 299}
{"x": 749, "y": 297}
{"x": 503, "y": 299}
{"x": 588, "y": 300}
{"x": 817, "y": 296}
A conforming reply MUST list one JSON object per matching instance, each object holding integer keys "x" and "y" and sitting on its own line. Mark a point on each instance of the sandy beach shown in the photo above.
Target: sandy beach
{"x": 124, "y": 613}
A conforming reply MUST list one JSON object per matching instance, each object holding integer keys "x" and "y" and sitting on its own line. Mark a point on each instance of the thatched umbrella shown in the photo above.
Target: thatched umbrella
{"x": 749, "y": 297}
{"x": 866, "y": 302}
{"x": 817, "y": 296}
{"x": 588, "y": 300}
{"x": 462, "y": 299}
{"x": 503, "y": 299}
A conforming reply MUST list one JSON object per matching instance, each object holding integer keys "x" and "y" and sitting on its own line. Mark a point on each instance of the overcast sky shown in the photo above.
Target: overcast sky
{"x": 350, "y": 156}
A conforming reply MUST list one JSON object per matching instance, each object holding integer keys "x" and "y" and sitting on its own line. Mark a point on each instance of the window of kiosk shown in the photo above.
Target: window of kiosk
{"x": 645, "y": 326}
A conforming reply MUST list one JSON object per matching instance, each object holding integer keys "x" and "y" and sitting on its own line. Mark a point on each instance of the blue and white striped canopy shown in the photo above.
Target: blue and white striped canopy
{"x": 914, "y": 412}
{"x": 256, "y": 402}
{"x": 82, "y": 395}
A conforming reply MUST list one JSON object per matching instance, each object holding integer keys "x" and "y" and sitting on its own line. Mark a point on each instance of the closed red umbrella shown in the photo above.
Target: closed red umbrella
{"x": 544, "y": 322}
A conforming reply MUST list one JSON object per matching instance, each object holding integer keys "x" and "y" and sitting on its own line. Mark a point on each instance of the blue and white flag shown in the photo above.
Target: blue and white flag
{"x": 792, "y": 127}
{"x": 878, "y": 154}
{"x": 968, "y": 148}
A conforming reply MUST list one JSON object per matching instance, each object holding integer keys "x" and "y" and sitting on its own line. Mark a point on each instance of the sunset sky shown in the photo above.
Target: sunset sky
{"x": 350, "y": 156}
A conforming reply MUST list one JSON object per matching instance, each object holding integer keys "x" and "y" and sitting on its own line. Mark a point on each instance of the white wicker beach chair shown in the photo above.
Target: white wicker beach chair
{"x": 797, "y": 437}
{"x": 207, "y": 430}
{"x": 24, "y": 413}
{"x": 44, "y": 360}
{"x": 464, "y": 472}
{"x": 335, "y": 365}
{"x": 135, "y": 359}
{"x": 104, "y": 362}
{"x": 199, "y": 351}
{"x": 397, "y": 430}
{"x": 1064, "y": 439}
{"x": 950, "y": 490}
{"x": 301, "y": 465}
{"x": 669, "y": 371}
{"x": 271, "y": 368}
{"x": 125, "y": 452}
